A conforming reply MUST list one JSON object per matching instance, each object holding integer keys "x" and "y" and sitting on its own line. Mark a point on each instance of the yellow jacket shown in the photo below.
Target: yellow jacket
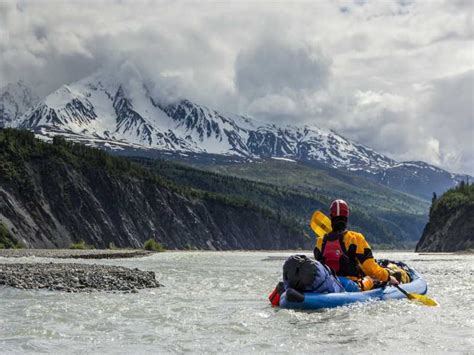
{"x": 360, "y": 257}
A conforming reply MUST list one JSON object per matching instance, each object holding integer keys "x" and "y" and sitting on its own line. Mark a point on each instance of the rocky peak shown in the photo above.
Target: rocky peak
{"x": 16, "y": 99}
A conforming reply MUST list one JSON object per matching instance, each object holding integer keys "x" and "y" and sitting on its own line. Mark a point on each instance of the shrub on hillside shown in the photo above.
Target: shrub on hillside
{"x": 80, "y": 246}
{"x": 7, "y": 240}
{"x": 153, "y": 245}
{"x": 461, "y": 195}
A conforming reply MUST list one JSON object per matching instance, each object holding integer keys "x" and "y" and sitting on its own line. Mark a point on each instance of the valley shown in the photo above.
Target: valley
{"x": 288, "y": 171}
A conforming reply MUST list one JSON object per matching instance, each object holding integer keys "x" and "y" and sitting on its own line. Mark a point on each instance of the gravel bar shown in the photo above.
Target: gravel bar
{"x": 76, "y": 277}
{"x": 74, "y": 253}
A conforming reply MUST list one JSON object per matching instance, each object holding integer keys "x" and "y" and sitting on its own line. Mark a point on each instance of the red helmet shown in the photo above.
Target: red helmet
{"x": 339, "y": 208}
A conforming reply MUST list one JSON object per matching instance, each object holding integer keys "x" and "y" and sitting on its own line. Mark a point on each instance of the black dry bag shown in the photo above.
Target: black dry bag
{"x": 299, "y": 272}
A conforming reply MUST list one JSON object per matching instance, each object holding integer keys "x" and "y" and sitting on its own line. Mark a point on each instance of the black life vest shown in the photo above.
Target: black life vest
{"x": 335, "y": 255}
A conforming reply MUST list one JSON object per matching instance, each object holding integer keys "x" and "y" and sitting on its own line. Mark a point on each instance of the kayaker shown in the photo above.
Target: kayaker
{"x": 348, "y": 253}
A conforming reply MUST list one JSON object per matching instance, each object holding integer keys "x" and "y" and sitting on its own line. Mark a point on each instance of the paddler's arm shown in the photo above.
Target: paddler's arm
{"x": 317, "y": 249}
{"x": 367, "y": 262}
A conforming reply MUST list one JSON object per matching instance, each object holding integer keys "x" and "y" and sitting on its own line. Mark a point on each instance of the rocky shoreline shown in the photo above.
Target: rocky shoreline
{"x": 73, "y": 277}
{"x": 74, "y": 253}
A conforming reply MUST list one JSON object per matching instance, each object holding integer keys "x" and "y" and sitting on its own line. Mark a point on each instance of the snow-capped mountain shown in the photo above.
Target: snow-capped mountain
{"x": 100, "y": 109}
{"x": 103, "y": 111}
{"x": 16, "y": 99}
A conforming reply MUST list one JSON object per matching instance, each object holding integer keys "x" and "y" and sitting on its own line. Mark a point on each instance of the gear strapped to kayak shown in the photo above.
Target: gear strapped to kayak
{"x": 397, "y": 269}
{"x": 306, "y": 275}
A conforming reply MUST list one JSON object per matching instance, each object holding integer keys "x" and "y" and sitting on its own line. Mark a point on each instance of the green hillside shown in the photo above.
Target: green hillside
{"x": 401, "y": 215}
{"x": 384, "y": 222}
{"x": 327, "y": 182}
{"x": 462, "y": 195}
{"x": 59, "y": 193}
{"x": 50, "y": 182}
{"x": 451, "y": 224}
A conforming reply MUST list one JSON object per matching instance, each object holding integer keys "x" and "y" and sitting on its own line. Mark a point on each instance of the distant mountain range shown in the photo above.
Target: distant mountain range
{"x": 102, "y": 111}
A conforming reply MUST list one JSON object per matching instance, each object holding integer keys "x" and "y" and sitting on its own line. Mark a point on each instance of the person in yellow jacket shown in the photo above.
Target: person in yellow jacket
{"x": 348, "y": 253}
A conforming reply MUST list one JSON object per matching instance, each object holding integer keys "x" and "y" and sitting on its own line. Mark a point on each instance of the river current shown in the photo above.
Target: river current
{"x": 216, "y": 302}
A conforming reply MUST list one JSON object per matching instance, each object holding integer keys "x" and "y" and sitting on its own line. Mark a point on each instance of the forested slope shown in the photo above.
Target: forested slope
{"x": 451, "y": 224}
{"x": 54, "y": 194}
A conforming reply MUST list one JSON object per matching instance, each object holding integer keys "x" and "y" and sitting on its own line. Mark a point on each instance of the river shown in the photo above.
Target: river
{"x": 216, "y": 302}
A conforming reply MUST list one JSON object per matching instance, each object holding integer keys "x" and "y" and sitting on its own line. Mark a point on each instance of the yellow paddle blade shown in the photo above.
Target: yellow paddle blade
{"x": 320, "y": 224}
{"x": 423, "y": 299}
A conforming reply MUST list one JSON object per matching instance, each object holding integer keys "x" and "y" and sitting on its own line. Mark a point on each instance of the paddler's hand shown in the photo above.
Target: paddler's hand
{"x": 393, "y": 281}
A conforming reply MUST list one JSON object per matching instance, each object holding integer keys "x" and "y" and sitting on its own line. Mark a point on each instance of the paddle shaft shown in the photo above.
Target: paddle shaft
{"x": 402, "y": 291}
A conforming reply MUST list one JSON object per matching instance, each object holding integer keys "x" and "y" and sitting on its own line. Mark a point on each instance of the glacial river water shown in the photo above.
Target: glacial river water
{"x": 216, "y": 302}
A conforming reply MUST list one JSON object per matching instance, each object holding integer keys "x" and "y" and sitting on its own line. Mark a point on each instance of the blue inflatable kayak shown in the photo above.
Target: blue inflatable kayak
{"x": 331, "y": 300}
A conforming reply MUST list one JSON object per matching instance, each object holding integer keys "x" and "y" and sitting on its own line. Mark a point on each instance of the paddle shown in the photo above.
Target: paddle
{"x": 420, "y": 298}
{"x": 321, "y": 225}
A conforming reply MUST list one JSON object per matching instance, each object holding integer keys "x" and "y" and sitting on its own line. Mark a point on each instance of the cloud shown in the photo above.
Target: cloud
{"x": 433, "y": 123}
{"x": 449, "y": 111}
{"x": 394, "y": 75}
{"x": 274, "y": 106}
{"x": 275, "y": 67}
{"x": 275, "y": 79}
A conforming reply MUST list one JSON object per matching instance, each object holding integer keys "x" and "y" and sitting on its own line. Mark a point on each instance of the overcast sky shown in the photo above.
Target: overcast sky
{"x": 394, "y": 75}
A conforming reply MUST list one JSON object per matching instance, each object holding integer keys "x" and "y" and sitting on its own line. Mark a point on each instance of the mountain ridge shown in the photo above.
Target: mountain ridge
{"x": 102, "y": 111}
